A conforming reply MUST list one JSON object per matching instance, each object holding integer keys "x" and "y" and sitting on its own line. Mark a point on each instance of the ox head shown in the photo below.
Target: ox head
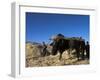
{"x": 56, "y": 42}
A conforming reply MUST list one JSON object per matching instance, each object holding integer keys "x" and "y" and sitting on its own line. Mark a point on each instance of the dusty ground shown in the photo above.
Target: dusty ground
{"x": 34, "y": 59}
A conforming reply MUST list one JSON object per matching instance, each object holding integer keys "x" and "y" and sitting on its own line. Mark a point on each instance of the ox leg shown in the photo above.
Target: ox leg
{"x": 78, "y": 54}
{"x": 70, "y": 51}
{"x": 60, "y": 55}
{"x": 54, "y": 51}
{"x": 82, "y": 54}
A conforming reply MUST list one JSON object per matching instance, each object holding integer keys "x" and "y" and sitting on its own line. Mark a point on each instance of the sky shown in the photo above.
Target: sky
{"x": 41, "y": 26}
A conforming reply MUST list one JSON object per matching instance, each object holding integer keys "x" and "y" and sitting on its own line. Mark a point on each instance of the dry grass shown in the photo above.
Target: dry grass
{"x": 33, "y": 58}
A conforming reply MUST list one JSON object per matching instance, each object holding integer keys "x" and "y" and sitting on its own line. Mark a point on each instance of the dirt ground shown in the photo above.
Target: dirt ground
{"x": 54, "y": 61}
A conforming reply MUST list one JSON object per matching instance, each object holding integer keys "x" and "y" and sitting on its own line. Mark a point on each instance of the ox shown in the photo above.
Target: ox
{"x": 61, "y": 44}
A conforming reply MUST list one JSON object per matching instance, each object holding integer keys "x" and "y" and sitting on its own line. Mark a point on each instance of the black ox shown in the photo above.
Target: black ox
{"x": 61, "y": 44}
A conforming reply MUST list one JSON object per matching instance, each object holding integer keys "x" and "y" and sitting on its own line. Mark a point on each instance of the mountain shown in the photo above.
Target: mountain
{"x": 34, "y": 43}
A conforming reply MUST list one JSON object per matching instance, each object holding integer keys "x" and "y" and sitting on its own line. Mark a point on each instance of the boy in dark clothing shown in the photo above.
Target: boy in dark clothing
{"x": 44, "y": 49}
{"x": 87, "y": 50}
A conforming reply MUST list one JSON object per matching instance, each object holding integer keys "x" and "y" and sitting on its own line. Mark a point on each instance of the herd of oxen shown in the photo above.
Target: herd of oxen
{"x": 60, "y": 43}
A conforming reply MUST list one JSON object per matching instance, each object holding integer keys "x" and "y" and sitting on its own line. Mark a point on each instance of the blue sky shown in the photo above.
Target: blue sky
{"x": 41, "y": 26}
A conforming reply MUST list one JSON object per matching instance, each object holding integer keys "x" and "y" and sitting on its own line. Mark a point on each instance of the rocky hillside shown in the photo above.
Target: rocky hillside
{"x": 33, "y": 50}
